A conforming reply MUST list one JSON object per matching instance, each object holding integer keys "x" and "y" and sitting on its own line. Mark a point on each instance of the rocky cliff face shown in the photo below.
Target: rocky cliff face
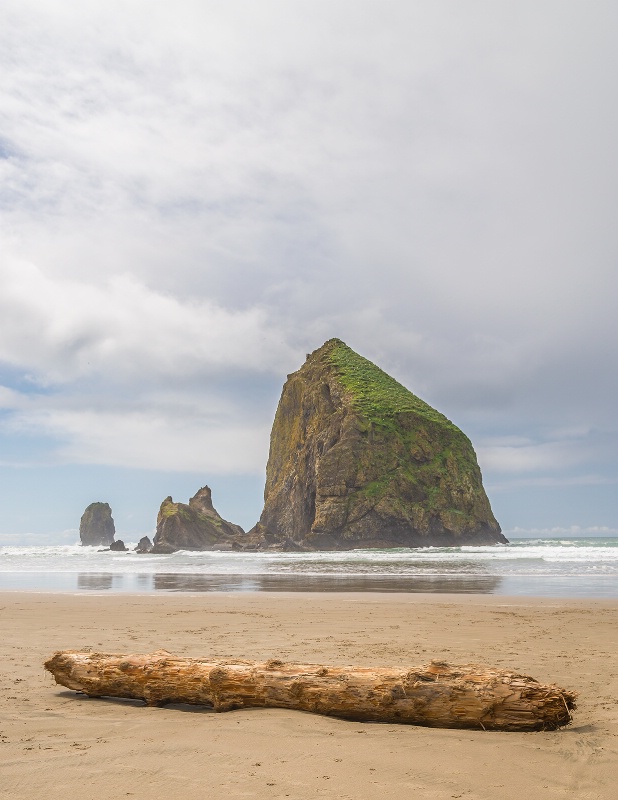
{"x": 196, "y": 526}
{"x": 96, "y": 526}
{"x": 356, "y": 460}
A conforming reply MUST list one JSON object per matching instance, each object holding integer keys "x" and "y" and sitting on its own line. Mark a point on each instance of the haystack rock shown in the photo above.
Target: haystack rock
{"x": 96, "y": 526}
{"x": 196, "y": 526}
{"x": 357, "y": 461}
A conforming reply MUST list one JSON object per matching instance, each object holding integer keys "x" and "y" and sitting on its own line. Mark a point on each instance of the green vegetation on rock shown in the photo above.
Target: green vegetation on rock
{"x": 196, "y": 526}
{"x": 357, "y": 460}
{"x": 382, "y": 401}
{"x": 375, "y": 393}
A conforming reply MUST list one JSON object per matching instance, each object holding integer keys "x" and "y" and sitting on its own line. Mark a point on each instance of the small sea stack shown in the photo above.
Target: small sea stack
{"x": 196, "y": 526}
{"x": 96, "y": 526}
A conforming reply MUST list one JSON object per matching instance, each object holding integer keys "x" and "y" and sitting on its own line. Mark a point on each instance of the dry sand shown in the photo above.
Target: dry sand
{"x": 57, "y": 744}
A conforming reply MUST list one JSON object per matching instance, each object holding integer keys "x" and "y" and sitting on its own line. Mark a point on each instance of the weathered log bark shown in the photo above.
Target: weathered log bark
{"x": 437, "y": 695}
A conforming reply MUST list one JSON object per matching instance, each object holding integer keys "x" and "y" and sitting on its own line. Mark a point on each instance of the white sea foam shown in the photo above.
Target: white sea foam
{"x": 537, "y": 557}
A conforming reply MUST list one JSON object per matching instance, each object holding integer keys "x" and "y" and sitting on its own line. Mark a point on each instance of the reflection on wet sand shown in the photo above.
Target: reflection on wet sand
{"x": 97, "y": 581}
{"x": 598, "y": 586}
{"x": 177, "y": 582}
{"x": 144, "y": 581}
{"x": 191, "y": 582}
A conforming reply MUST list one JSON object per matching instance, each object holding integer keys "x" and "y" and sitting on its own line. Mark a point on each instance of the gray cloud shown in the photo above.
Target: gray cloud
{"x": 196, "y": 194}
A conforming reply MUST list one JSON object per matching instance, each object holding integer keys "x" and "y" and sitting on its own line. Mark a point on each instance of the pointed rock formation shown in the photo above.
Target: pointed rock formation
{"x": 144, "y": 545}
{"x": 196, "y": 526}
{"x": 357, "y": 461}
{"x": 96, "y": 526}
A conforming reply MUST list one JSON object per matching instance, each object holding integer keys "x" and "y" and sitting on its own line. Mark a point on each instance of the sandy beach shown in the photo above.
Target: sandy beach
{"x": 57, "y": 744}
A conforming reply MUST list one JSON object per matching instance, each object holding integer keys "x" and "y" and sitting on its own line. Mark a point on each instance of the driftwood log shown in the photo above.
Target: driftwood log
{"x": 437, "y": 695}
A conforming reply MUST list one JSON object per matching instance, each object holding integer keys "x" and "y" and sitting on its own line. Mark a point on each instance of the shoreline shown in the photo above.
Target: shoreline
{"x": 582, "y": 568}
{"x": 181, "y": 585}
{"x": 56, "y": 742}
{"x": 377, "y": 596}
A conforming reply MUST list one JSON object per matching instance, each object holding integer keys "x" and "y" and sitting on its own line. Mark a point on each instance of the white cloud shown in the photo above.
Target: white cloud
{"x": 122, "y": 330}
{"x": 135, "y": 377}
{"x": 152, "y": 440}
{"x": 195, "y": 194}
{"x": 10, "y": 399}
{"x": 561, "y": 457}
{"x": 530, "y": 458}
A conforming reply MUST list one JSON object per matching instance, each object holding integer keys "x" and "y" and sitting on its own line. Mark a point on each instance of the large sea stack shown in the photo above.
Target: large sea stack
{"x": 196, "y": 526}
{"x": 96, "y": 526}
{"x": 357, "y": 461}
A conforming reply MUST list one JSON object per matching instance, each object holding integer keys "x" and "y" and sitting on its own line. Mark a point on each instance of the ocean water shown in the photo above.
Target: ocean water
{"x": 584, "y": 567}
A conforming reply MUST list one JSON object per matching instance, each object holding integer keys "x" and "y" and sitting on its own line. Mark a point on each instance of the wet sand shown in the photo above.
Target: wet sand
{"x": 588, "y": 586}
{"x": 57, "y": 744}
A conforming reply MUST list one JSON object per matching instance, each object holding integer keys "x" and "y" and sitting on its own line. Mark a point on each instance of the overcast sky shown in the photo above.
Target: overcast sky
{"x": 195, "y": 194}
